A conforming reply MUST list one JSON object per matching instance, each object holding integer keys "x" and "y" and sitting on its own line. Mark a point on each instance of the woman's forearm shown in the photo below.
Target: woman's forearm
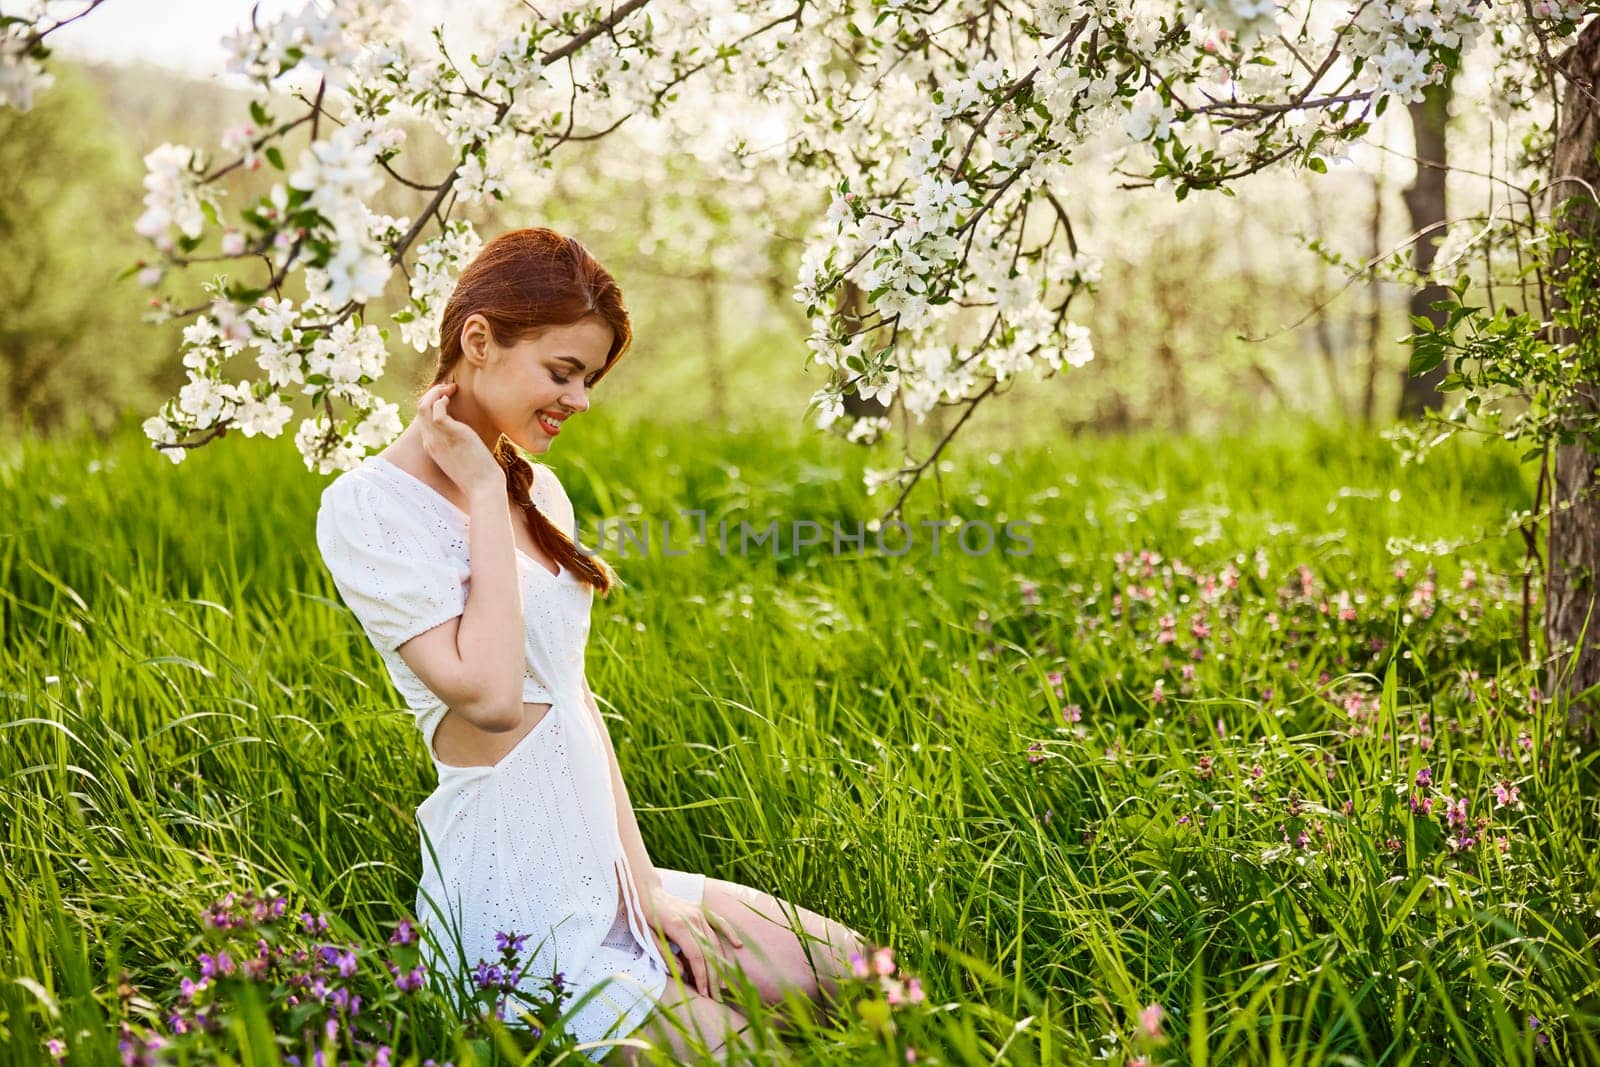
{"x": 489, "y": 639}
{"x": 645, "y": 875}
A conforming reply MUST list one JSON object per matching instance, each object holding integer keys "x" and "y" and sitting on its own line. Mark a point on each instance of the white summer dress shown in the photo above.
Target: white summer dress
{"x": 531, "y": 844}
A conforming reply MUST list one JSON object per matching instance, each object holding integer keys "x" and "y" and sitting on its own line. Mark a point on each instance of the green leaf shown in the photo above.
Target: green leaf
{"x": 1425, "y": 357}
{"x": 259, "y": 112}
{"x": 274, "y": 157}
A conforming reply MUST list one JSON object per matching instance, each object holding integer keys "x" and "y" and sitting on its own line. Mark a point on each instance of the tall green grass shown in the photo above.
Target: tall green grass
{"x": 967, "y": 757}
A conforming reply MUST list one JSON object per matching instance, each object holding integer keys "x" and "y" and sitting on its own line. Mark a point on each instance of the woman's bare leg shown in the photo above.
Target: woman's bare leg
{"x": 683, "y": 1028}
{"x": 776, "y": 958}
{"x": 779, "y": 962}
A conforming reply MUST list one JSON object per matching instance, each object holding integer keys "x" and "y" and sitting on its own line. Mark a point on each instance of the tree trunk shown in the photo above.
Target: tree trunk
{"x": 711, "y": 323}
{"x": 1425, "y": 200}
{"x": 1321, "y": 328}
{"x": 1369, "y": 391}
{"x": 1573, "y": 560}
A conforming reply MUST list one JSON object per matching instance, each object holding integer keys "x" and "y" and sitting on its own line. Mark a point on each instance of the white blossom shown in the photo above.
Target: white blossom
{"x": 867, "y": 429}
{"x": 204, "y": 400}
{"x": 21, "y": 75}
{"x": 478, "y": 182}
{"x": 172, "y": 192}
{"x": 1148, "y": 117}
{"x": 381, "y": 426}
{"x": 266, "y": 416}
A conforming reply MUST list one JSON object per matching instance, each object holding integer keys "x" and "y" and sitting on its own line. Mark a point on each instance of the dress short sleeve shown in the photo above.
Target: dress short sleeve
{"x": 395, "y": 576}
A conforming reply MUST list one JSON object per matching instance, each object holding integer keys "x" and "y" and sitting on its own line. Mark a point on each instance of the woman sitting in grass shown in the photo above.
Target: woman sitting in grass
{"x": 480, "y": 610}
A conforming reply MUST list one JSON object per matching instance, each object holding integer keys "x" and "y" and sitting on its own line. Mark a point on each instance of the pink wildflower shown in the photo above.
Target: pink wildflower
{"x": 1150, "y": 1021}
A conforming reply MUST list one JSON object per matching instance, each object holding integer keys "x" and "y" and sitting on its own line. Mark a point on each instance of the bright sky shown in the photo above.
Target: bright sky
{"x": 185, "y": 35}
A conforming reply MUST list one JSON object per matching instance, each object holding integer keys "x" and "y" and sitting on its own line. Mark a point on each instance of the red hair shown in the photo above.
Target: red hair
{"x": 524, "y": 282}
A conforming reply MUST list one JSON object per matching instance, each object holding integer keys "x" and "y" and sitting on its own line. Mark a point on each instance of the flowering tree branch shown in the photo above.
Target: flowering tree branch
{"x": 939, "y": 159}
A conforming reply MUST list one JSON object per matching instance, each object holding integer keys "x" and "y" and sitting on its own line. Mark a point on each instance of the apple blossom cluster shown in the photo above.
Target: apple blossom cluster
{"x": 22, "y": 73}
{"x": 174, "y": 192}
{"x": 951, "y": 137}
{"x": 951, "y": 171}
{"x": 439, "y": 263}
{"x": 1400, "y": 43}
{"x": 317, "y": 223}
{"x": 325, "y": 42}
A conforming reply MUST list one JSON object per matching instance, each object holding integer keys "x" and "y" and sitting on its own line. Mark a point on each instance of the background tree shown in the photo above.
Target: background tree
{"x": 1428, "y": 207}
{"x": 1573, "y": 589}
{"x": 72, "y": 345}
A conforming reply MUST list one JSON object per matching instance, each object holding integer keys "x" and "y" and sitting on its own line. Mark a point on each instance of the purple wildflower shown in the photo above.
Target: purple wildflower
{"x": 510, "y": 943}
{"x": 487, "y": 974}
{"x": 409, "y": 982}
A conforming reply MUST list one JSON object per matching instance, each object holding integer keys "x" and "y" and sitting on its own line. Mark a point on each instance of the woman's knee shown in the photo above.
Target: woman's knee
{"x": 787, "y": 947}
{"x": 684, "y": 1026}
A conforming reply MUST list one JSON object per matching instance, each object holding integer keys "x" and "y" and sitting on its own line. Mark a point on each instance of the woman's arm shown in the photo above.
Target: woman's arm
{"x": 475, "y": 661}
{"x": 645, "y": 875}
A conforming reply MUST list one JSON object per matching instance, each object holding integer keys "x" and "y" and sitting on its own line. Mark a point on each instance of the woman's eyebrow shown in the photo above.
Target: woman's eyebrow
{"x": 576, "y": 363}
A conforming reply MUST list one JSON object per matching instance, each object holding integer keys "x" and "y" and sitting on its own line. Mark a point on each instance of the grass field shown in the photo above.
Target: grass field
{"x": 1237, "y": 765}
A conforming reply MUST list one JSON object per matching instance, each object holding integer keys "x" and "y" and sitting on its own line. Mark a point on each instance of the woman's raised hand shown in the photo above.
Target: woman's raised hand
{"x": 454, "y": 445}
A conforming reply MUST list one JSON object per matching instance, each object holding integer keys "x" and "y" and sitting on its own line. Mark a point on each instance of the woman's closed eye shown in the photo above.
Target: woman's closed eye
{"x": 561, "y": 380}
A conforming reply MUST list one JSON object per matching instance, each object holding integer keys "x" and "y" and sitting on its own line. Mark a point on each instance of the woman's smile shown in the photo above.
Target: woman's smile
{"x": 551, "y": 424}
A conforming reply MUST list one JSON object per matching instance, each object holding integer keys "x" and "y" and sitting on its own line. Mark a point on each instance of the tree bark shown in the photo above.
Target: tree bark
{"x": 1425, "y": 200}
{"x": 1573, "y": 559}
{"x": 1369, "y": 391}
{"x": 711, "y": 324}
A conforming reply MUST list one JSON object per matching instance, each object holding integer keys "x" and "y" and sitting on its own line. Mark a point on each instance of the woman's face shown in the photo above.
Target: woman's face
{"x": 527, "y": 390}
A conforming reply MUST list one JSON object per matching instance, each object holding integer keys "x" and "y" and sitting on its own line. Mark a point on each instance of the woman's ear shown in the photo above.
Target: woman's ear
{"x": 475, "y": 337}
